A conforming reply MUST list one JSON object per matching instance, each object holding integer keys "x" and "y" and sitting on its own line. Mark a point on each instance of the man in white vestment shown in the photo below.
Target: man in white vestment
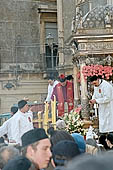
{"x": 6, "y": 127}
{"x": 103, "y": 95}
{"x": 52, "y": 83}
{"x": 21, "y": 121}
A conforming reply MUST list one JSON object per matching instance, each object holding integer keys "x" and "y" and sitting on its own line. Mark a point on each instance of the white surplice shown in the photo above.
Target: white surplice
{"x": 103, "y": 94}
{"x": 21, "y": 123}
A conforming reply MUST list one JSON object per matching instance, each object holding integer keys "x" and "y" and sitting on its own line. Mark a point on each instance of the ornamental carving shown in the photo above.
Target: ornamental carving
{"x": 99, "y": 17}
{"x": 96, "y": 46}
{"x": 79, "y": 2}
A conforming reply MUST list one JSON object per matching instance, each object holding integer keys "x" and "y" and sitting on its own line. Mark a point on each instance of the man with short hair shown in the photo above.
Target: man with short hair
{"x": 14, "y": 109}
{"x": 103, "y": 95}
{"x": 21, "y": 122}
{"x": 52, "y": 83}
{"x": 36, "y": 147}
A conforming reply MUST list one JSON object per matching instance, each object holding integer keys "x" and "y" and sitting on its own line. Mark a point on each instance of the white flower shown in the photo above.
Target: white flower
{"x": 74, "y": 123}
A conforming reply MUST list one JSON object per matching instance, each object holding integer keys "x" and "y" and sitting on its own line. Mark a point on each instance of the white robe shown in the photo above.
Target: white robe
{"x": 20, "y": 124}
{"x": 103, "y": 94}
{"x": 50, "y": 90}
{"x": 6, "y": 129}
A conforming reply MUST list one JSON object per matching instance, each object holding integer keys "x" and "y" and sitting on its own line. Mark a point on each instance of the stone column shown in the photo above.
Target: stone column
{"x": 90, "y": 5}
{"x": 84, "y": 99}
{"x": 76, "y": 87}
{"x": 109, "y": 2}
{"x": 60, "y": 31}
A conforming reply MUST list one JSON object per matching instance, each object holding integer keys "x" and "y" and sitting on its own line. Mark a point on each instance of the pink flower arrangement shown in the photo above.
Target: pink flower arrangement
{"x": 91, "y": 70}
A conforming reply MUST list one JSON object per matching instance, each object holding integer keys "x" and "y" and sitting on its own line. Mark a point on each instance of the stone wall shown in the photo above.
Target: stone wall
{"x": 68, "y": 14}
{"x": 19, "y": 33}
{"x": 20, "y": 51}
{"x": 31, "y": 86}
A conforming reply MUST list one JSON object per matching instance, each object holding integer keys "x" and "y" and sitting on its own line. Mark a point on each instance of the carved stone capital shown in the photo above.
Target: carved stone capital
{"x": 85, "y": 108}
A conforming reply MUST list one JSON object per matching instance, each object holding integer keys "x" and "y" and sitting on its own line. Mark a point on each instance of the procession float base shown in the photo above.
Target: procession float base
{"x": 88, "y": 123}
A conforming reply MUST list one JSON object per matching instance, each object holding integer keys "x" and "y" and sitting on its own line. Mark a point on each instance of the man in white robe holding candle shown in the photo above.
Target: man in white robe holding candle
{"x": 103, "y": 95}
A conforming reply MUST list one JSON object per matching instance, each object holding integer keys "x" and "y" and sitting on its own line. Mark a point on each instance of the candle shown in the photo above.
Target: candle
{"x": 46, "y": 116}
{"x": 53, "y": 106}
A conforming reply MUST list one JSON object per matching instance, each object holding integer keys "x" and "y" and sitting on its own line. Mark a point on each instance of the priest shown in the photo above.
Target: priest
{"x": 64, "y": 94}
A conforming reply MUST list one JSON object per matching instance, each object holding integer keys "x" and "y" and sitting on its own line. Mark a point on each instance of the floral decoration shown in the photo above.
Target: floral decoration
{"x": 74, "y": 123}
{"x": 98, "y": 70}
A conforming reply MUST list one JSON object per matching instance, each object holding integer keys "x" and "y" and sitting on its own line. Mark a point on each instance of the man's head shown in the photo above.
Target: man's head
{"x": 59, "y": 135}
{"x": 69, "y": 77}
{"x": 109, "y": 140}
{"x": 64, "y": 151}
{"x": 36, "y": 147}
{"x": 62, "y": 79}
{"x": 14, "y": 109}
{"x": 51, "y": 80}
{"x": 7, "y": 153}
{"x": 94, "y": 80}
{"x": 18, "y": 163}
{"x": 79, "y": 139}
{"x": 23, "y": 106}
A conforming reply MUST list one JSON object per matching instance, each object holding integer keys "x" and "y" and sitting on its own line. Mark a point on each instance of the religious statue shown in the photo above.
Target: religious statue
{"x": 73, "y": 25}
{"x": 107, "y": 19}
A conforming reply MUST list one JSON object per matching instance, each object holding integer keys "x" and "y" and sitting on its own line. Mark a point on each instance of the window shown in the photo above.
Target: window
{"x": 51, "y": 51}
{"x": 51, "y": 56}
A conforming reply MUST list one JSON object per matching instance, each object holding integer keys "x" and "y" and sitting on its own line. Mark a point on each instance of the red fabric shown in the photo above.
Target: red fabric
{"x": 70, "y": 98}
{"x": 60, "y": 100}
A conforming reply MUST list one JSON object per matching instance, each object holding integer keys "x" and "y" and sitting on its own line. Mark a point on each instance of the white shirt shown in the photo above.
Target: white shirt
{"x": 6, "y": 129}
{"x": 21, "y": 123}
{"x": 50, "y": 90}
{"x": 30, "y": 113}
{"x": 103, "y": 94}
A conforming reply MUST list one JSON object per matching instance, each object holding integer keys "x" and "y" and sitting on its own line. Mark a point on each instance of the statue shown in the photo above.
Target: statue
{"x": 73, "y": 25}
{"x": 107, "y": 19}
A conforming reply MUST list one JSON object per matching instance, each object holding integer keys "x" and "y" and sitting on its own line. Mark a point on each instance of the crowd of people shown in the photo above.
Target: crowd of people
{"x": 23, "y": 147}
{"x": 57, "y": 149}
